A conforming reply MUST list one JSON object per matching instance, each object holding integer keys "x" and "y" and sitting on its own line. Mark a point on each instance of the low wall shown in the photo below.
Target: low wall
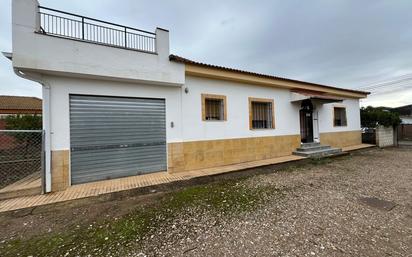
{"x": 384, "y": 136}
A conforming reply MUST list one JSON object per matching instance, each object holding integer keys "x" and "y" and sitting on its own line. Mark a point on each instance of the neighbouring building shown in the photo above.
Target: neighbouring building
{"x": 18, "y": 105}
{"x": 116, "y": 103}
{"x": 405, "y": 128}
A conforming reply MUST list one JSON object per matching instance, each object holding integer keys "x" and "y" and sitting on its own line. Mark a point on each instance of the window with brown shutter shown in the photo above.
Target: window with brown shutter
{"x": 261, "y": 113}
{"x": 214, "y": 107}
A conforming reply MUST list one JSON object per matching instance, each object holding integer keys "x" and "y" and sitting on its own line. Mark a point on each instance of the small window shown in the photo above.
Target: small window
{"x": 339, "y": 116}
{"x": 213, "y": 107}
{"x": 261, "y": 113}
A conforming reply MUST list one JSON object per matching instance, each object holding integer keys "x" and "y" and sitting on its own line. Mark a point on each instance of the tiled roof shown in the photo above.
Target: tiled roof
{"x": 176, "y": 58}
{"x": 20, "y": 103}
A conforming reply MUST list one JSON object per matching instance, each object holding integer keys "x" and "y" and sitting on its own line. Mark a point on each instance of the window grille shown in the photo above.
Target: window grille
{"x": 214, "y": 109}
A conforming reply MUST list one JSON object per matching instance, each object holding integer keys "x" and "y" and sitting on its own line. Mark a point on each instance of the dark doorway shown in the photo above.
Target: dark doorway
{"x": 306, "y": 121}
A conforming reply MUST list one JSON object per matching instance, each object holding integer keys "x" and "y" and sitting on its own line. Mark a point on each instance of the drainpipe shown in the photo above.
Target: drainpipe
{"x": 46, "y": 123}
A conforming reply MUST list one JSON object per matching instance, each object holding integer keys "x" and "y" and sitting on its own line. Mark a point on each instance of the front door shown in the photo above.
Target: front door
{"x": 306, "y": 121}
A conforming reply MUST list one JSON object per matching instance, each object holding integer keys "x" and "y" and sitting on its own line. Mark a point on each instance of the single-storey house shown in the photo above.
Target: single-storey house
{"x": 116, "y": 103}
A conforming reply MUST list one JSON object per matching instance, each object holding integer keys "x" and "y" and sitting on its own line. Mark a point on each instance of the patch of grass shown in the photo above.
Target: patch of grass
{"x": 320, "y": 161}
{"x": 105, "y": 238}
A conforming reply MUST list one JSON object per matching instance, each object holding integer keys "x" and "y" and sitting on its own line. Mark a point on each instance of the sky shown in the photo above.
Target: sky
{"x": 345, "y": 43}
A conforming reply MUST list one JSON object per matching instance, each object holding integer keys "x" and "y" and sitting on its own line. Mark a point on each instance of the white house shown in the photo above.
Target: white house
{"x": 116, "y": 103}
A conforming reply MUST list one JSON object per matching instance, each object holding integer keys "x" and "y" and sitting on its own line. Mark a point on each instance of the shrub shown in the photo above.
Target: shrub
{"x": 24, "y": 122}
{"x": 371, "y": 117}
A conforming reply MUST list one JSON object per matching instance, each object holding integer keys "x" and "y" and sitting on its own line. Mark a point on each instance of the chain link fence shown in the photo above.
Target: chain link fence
{"x": 21, "y": 155}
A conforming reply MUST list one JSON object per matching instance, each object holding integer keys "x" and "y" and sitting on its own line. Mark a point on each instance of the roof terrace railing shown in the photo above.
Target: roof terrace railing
{"x": 72, "y": 26}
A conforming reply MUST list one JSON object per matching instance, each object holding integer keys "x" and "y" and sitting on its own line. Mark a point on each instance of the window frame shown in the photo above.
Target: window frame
{"x": 346, "y": 116}
{"x": 214, "y": 97}
{"x": 261, "y": 100}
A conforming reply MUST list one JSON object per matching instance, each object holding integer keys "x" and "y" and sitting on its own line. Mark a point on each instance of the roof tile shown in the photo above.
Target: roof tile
{"x": 20, "y": 103}
{"x": 176, "y": 58}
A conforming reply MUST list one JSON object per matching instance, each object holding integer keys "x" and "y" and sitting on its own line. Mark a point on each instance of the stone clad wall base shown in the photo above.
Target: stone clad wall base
{"x": 341, "y": 139}
{"x": 185, "y": 156}
{"x": 60, "y": 170}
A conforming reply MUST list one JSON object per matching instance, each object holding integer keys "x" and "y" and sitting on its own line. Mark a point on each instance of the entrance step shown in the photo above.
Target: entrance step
{"x": 316, "y": 150}
{"x": 309, "y": 144}
{"x": 312, "y": 148}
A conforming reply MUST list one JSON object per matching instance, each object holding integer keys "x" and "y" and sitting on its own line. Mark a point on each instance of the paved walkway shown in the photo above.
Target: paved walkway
{"x": 30, "y": 185}
{"x": 128, "y": 183}
{"x": 356, "y": 147}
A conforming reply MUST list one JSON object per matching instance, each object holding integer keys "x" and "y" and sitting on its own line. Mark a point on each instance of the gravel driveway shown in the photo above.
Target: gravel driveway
{"x": 358, "y": 205}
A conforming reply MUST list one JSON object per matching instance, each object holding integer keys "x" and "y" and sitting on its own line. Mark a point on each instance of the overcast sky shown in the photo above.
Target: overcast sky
{"x": 345, "y": 43}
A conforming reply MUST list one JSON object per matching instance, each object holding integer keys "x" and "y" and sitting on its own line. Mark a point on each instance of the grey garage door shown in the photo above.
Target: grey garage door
{"x": 114, "y": 137}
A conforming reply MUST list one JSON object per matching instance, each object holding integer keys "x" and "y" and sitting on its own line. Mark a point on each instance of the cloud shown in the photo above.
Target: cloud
{"x": 346, "y": 43}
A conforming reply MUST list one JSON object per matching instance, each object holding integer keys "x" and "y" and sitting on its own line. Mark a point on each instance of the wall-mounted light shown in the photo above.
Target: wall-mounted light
{"x": 186, "y": 90}
{"x": 172, "y": 124}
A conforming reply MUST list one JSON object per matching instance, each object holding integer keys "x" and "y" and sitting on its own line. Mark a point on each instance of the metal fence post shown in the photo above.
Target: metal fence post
{"x": 83, "y": 28}
{"x": 43, "y": 161}
{"x": 125, "y": 37}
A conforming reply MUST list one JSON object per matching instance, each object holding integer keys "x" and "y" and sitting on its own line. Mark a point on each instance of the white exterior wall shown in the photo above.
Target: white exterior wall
{"x": 185, "y": 110}
{"x": 237, "y": 124}
{"x": 61, "y": 87}
{"x": 52, "y": 55}
{"x": 325, "y": 113}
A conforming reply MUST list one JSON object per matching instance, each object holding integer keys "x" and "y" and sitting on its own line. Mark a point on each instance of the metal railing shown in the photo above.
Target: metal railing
{"x": 73, "y": 26}
{"x": 21, "y": 155}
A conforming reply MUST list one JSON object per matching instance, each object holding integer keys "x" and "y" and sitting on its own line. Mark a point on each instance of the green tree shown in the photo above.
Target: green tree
{"x": 371, "y": 117}
{"x": 23, "y": 122}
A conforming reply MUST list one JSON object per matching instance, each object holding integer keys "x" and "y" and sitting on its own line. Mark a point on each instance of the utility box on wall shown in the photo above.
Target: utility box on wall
{"x": 384, "y": 136}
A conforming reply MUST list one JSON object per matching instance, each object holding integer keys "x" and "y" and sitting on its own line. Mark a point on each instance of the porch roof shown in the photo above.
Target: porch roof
{"x": 321, "y": 97}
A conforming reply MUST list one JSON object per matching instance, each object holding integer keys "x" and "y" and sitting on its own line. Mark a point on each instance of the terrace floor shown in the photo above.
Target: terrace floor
{"x": 129, "y": 183}
{"x": 29, "y": 185}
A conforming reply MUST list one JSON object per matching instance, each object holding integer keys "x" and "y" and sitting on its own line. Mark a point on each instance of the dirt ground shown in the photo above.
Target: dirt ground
{"x": 357, "y": 205}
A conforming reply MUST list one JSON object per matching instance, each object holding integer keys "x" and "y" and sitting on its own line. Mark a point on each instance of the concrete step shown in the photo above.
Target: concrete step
{"x": 319, "y": 153}
{"x": 312, "y": 148}
{"x": 27, "y": 186}
{"x": 20, "y": 192}
{"x": 310, "y": 144}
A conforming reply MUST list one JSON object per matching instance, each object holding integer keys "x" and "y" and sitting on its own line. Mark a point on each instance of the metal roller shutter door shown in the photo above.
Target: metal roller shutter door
{"x": 114, "y": 137}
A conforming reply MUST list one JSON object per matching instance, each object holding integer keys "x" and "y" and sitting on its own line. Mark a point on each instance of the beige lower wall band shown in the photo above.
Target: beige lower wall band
{"x": 341, "y": 139}
{"x": 60, "y": 170}
{"x": 185, "y": 156}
